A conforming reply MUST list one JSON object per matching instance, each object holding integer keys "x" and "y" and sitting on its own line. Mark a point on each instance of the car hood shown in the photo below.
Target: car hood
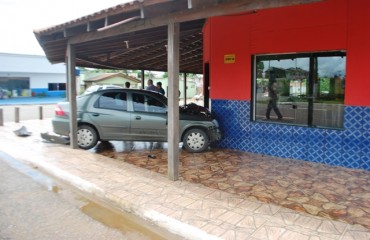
{"x": 195, "y": 112}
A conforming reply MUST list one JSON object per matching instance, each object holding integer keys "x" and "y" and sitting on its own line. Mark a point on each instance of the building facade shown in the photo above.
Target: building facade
{"x": 31, "y": 75}
{"x": 293, "y": 82}
{"x": 117, "y": 79}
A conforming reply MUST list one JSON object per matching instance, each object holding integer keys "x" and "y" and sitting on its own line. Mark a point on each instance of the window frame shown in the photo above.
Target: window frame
{"x": 310, "y": 98}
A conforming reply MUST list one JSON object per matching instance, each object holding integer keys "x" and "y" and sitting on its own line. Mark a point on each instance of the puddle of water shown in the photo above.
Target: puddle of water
{"x": 132, "y": 226}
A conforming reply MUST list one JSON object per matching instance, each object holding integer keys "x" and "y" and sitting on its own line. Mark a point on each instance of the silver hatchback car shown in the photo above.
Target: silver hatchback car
{"x": 134, "y": 115}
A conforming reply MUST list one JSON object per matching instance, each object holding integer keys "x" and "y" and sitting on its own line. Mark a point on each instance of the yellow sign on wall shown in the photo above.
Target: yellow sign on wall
{"x": 229, "y": 58}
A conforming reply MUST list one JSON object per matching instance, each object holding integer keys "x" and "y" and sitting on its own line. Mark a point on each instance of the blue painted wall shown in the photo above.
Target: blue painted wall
{"x": 349, "y": 147}
{"x": 44, "y": 92}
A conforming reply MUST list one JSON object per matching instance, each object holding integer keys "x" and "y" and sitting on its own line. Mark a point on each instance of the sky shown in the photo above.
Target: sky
{"x": 19, "y": 18}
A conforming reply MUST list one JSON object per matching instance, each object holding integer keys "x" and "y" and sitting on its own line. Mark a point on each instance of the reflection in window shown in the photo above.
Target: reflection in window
{"x": 112, "y": 100}
{"x": 305, "y": 89}
{"x": 145, "y": 103}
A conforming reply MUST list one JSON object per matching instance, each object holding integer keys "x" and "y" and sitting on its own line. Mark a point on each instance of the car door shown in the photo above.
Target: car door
{"x": 148, "y": 119}
{"x": 110, "y": 116}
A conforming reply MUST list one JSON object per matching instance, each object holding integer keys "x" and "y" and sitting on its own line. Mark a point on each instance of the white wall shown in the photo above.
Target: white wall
{"x": 28, "y": 64}
{"x": 37, "y": 69}
{"x": 38, "y": 80}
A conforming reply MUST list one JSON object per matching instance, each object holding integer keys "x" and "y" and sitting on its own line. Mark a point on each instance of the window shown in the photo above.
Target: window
{"x": 56, "y": 86}
{"x": 304, "y": 89}
{"x": 145, "y": 103}
{"x": 112, "y": 100}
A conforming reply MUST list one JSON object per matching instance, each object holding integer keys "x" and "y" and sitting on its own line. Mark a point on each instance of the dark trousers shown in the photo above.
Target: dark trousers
{"x": 273, "y": 105}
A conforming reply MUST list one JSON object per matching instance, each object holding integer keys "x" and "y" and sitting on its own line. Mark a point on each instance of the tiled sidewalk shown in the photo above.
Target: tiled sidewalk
{"x": 191, "y": 210}
{"x": 320, "y": 190}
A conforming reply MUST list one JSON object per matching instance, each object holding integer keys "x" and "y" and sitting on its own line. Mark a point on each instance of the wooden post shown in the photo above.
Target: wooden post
{"x": 16, "y": 114}
{"x": 142, "y": 79}
{"x": 185, "y": 88}
{"x": 173, "y": 100}
{"x": 40, "y": 113}
{"x": 71, "y": 65}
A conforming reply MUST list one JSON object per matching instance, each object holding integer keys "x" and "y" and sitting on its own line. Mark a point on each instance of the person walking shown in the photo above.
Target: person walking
{"x": 273, "y": 99}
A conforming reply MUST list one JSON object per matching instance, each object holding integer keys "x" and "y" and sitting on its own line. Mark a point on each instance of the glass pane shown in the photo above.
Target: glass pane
{"x": 112, "y": 100}
{"x": 155, "y": 106}
{"x": 52, "y": 87}
{"x": 139, "y": 103}
{"x": 145, "y": 103}
{"x": 62, "y": 86}
{"x": 281, "y": 89}
{"x": 328, "y": 91}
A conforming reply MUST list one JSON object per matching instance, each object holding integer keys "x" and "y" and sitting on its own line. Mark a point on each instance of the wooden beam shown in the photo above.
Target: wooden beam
{"x": 97, "y": 63}
{"x": 173, "y": 100}
{"x": 203, "y": 10}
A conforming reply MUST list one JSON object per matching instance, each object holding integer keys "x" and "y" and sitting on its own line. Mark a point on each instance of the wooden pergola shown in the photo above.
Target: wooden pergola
{"x": 161, "y": 35}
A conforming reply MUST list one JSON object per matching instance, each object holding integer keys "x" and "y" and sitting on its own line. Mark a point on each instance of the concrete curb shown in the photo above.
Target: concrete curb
{"x": 170, "y": 224}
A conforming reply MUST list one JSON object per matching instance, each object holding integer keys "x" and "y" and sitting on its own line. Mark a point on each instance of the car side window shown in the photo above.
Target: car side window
{"x": 112, "y": 100}
{"x": 145, "y": 103}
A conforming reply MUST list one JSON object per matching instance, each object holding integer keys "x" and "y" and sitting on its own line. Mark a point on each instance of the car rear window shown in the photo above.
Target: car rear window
{"x": 112, "y": 100}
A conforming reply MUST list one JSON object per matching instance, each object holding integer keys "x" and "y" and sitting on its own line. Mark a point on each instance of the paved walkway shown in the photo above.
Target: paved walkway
{"x": 191, "y": 210}
{"x": 318, "y": 189}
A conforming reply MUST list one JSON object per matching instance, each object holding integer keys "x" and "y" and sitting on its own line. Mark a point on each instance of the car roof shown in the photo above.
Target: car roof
{"x": 133, "y": 90}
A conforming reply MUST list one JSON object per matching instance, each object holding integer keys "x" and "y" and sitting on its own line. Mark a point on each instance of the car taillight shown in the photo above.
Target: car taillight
{"x": 59, "y": 111}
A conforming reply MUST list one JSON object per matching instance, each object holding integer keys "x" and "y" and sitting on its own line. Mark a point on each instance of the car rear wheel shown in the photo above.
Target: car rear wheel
{"x": 195, "y": 140}
{"x": 86, "y": 137}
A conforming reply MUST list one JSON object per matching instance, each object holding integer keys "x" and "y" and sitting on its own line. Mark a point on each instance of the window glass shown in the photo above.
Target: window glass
{"x": 112, "y": 100}
{"x": 56, "y": 87}
{"x": 304, "y": 89}
{"x": 62, "y": 87}
{"x": 328, "y": 92}
{"x": 146, "y": 103}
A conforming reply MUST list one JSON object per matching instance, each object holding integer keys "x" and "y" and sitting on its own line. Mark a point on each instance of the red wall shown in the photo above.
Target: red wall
{"x": 229, "y": 81}
{"x": 328, "y": 25}
{"x": 358, "y": 55}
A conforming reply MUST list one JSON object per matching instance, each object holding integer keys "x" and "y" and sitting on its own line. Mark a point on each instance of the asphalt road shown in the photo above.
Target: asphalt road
{"x": 29, "y": 210}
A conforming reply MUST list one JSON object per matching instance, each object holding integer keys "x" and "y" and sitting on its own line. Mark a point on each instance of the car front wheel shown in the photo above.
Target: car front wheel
{"x": 195, "y": 140}
{"x": 86, "y": 137}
